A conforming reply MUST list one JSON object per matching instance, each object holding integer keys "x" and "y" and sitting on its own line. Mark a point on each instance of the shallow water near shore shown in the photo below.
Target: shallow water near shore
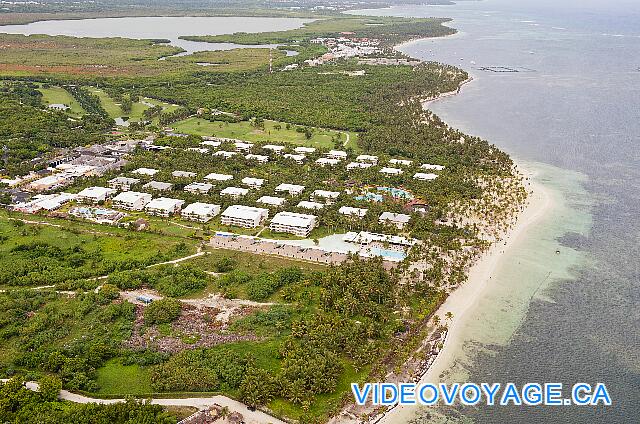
{"x": 555, "y": 82}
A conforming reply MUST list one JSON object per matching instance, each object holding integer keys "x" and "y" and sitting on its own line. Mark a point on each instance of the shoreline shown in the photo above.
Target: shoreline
{"x": 462, "y": 300}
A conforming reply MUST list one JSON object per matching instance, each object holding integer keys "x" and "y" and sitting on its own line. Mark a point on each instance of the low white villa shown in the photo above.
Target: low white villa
{"x": 131, "y": 200}
{"x": 292, "y": 189}
{"x": 272, "y": 201}
{"x": 164, "y": 206}
{"x": 234, "y": 192}
{"x": 95, "y": 194}
{"x": 198, "y": 188}
{"x": 293, "y": 223}
{"x": 244, "y": 216}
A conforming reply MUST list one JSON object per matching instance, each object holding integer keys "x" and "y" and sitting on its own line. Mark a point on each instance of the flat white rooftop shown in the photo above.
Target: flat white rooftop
{"x": 131, "y": 197}
{"x": 433, "y": 167}
{"x": 198, "y": 187}
{"x": 218, "y": 177}
{"x": 303, "y": 149}
{"x": 347, "y": 210}
{"x": 234, "y": 191}
{"x": 165, "y": 203}
{"x": 291, "y": 188}
{"x": 391, "y": 171}
{"x": 326, "y": 194}
{"x": 293, "y": 219}
{"x": 96, "y": 192}
{"x": 252, "y": 181}
{"x": 310, "y": 205}
{"x": 271, "y": 200}
{"x": 402, "y": 162}
{"x": 203, "y": 209}
{"x": 362, "y": 165}
{"x": 145, "y": 171}
{"x": 424, "y": 177}
{"x": 183, "y": 174}
{"x": 244, "y": 212}
{"x": 367, "y": 158}
{"x": 399, "y": 218}
{"x": 259, "y": 158}
{"x": 327, "y": 161}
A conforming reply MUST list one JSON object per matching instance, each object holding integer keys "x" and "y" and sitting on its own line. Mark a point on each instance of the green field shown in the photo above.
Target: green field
{"x": 137, "y": 109}
{"x": 115, "y": 378}
{"x": 321, "y": 138}
{"x": 58, "y": 95}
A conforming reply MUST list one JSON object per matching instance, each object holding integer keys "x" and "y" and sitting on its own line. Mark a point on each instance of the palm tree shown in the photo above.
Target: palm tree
{"x": 436, "y": 320}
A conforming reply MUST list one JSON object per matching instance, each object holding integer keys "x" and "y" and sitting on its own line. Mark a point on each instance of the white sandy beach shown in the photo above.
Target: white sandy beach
{"x": 462, "y": 301}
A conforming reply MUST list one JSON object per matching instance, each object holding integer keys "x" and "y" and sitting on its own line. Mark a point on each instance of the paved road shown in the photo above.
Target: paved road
{"x": 250, "y": 417}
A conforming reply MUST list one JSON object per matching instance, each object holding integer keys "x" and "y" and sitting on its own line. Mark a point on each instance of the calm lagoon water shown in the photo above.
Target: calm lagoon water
{"x": 169, "y": 28}
{"x": 571, "y": 115}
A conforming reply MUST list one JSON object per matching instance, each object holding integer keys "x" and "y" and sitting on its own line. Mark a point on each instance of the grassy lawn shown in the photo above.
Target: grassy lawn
{"x": 137, "y": 109}
{"x": 245, "y": 131}
{"x": 58, "y": 95}
{"x": 249, "y": 262}
{"x": 114, "y": 378}
{"x": 112, "y": 108}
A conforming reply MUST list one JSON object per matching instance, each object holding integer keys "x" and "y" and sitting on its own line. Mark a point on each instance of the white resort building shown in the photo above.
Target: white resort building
{"x": 145, "y": 171}
{"x": 163, "y": 206}
{"x": 368, "y": 159}
{"x": 337, "y": 154}
{"x": 258, "y": 158}
{"x": 304, "y": 150}
{"x": 253, "y": 182}
{"x": 198, "y": 188}
{"x": 402, "y": 162}
{"x": 391, "y": 171}
{"x": 275, "y": 148}
{"x": 327, "y": 161}
{"x": 131, "y": 200}
{"x": 225, "y": 154}
{"x": 200, "y": 212}
{"x": 425, "y": 177}
{"x": 293, "y": 223}
{"x": 95, "y": 194}
{"x": 272, "y": 201}
{"x": 292, "y": 189}
{"x": 183, "y": 174}
{"x": 157, "y": 186}
{"x": 359, "y": 165}
{"x": 432, "y": 167}
{"x": 299, "y": 159}
{"x": 349, "y": 211}
{"x": 122, "y": 183}
{"x": 218, "y": 177}
{"x": 397, "y": 219}
{"x": 234, "y": 192}
{"x": 310, "y": 205}
{"x": 328, "y": 197}
{"x": 244, "y": 216}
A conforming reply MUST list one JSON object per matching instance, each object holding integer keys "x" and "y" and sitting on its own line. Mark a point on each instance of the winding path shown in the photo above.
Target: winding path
{"x": 250, "y": 416}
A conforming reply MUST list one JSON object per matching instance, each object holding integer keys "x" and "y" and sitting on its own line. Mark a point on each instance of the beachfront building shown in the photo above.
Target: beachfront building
{"x": 235, "y": 192}
{"x": 198, "y": 188}
{"x": 95, "y": 194}
{"x": 328, "y": 197}
{"x": 164, "y": 206}
{"x": 225, "y": 154}
{"x": 304, "y": 150}
{"x": 299, "y": 159}
{"x": 327, "y": 162}
{"x": 337, "y": 154}
{"x": 149, "y": 172}
{"x": 293, "y": 223}
{"x": 258, "y": 158}
{"x": 292, "y": 189}
{"x": 305, "y": 204}
{"x": 401, "y": 162}
{"x": 384, "y": 243}
{"x": 244, "y": 216}
{"x": 400, "y": 220}
{"x": 272, "y": 201}
{"x": 200, "y": 212}
{"x": 367, "y": 159}
{"x": 131, "y": 200}
{"x": 242, "y": 146}
{"x": 358, "y": 165}
{"x": 183, "y": 174}
{"x": 122, "y": 183}
{"x": 391, "y": 171}
{"x": 355, "y": 212}
{"x": 157, "y": 186}
{"x": 275, "y": 148}
{"x": 431, "y": 167}
{"x": 424, "y": 177}
{"x": 218, "y": 177}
